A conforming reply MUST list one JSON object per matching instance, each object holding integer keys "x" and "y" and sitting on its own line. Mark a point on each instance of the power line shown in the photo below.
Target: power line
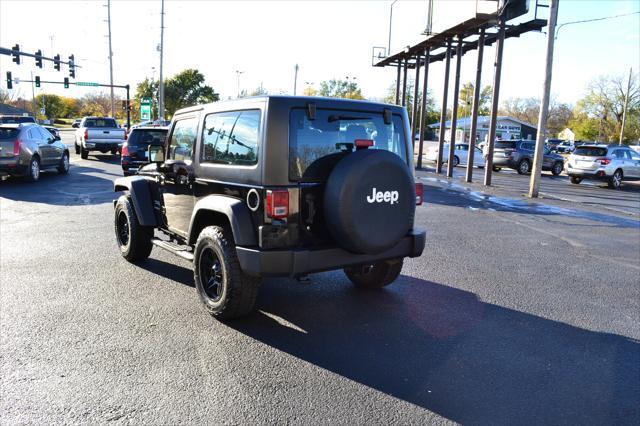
{"x": 594, "y": 20}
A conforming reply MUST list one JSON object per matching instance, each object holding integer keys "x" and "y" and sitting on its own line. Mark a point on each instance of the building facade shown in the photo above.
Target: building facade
{"x": 506, "y": 128}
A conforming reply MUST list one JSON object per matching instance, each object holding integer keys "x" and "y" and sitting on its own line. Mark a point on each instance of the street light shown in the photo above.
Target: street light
{"x": 390, "y": 20}
{"x": 238, "y": 72}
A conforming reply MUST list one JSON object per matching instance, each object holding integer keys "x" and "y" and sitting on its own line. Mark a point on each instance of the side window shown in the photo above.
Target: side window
{"x": 183, "y": 139}
{"x": 231, "y": 137}
{"x": 633, "y": 155}
{"x": 618, "y": 153}
{"x": 44, "y": 133}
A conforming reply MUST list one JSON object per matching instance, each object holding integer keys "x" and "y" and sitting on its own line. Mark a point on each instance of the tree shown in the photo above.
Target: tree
{"x": 70, "y": 107}
{"x": 310, "y": 91}
{"x": 432, "y": 114}
{"x": 53, "y": 105}
{"x": 98, "y": 104}
{"x": 259, "y": 91}
{"x": 602, "y": 108}
{"x": 528, "y": 110}
{"x": 187, "y": 88}
{"x": 465, "y": 100}
{"x": 145, "y": 89}
{"x": 340, "y": 89}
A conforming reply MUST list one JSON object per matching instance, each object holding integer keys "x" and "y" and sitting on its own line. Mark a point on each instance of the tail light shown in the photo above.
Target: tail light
{"x": 603, "y": 161}
{"x": 16, "y": 147}
{"x": 363, "y": 143}
{"x": 277, "y": 203}
{"x": 419, "y": 193}
{"x": 125, "y": 151}
{"x": 86, "y": 134}
{"x": 126, "y": 134}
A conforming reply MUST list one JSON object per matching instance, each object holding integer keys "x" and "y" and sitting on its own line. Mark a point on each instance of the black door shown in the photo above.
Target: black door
{"x": 177, "y": 185}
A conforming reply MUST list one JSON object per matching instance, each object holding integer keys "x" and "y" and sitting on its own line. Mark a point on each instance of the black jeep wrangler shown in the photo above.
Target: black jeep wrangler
{"x": 276, "y": 186}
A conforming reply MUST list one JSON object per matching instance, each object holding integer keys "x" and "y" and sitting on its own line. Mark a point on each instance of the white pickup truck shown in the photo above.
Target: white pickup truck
{"x": 102, "y": 134}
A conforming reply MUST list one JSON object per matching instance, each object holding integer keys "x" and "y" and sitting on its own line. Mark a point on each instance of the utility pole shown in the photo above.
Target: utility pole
{"x": 113, "y": 106}
{"x": 238, "y": 72}
{"x": 544, "y": 107}
{"x": 626, "y": 104}
{"x": 295, "y": 79}
{"x": 33, "y": 95}
{"x": 390, "y": 21}
{"x": 161, "y": 82}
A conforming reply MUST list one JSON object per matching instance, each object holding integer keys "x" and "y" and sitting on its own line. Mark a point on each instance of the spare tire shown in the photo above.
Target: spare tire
{"x": 369, "y": 201}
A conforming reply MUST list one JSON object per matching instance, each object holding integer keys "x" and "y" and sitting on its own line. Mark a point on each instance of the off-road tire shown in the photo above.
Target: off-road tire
{"x": 84, "y": 154}
{"x": 615, "y": 181}
{"x": 557, "y": 168}
{"x": 238, "y": 291}
{"x": 33, "y": 171}
{"x": 377, "y": 275}
{"x": 456, "y": 161}
{"x": 524, "y": 167}
{"x": 576, "y": 180}
{"x": 136, "y": 244}
{"x": 63, "y": 167}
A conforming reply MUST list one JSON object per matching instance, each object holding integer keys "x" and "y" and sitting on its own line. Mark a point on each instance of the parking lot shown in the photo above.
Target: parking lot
{"x": 518, "y": 312}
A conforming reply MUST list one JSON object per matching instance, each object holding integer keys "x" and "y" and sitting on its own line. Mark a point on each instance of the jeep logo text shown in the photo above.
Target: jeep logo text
{"x": 383, "y": 197}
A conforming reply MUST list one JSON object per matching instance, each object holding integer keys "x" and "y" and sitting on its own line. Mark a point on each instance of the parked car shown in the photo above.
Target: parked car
{"x": 102, "y": 134}
{"x": 16, "y": 119}
{"x": 518, "y": 155}
{"x": 27, "y": 148}
{"x": 76, "y": 123}
{"x": 53, "y": 130}
{"x": 461, "y": 154}
{"x": 134, "y": 151}
{"x": 552, "y": 144}
{"x": 276, "y": 186}
{"x": 565, "y": 146}
{"x": 608, "y": 163}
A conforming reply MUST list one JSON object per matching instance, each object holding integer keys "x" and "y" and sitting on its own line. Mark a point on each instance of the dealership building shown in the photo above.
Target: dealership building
{"x": 506, "y": 128}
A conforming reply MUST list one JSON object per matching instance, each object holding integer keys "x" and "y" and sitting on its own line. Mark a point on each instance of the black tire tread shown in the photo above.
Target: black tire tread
{"x": 60, "y": 167}
{"x": 140, "y": 245}
{"x": 29, "y": 177}
{"x": 242, "y": 289}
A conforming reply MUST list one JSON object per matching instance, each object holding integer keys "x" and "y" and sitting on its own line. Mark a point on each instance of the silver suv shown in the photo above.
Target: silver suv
{"x": 609, "y": 163}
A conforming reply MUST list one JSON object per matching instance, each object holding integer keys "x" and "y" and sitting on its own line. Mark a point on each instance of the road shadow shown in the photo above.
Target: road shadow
{"x": 81, "y": 186}
{"x": 167, "y": 270}
{"x": 445, "y": 350}
{"x": 456, "y": 195}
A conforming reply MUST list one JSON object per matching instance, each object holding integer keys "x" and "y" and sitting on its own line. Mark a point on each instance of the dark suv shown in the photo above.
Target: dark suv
{"x": 276, "y": 186}
{"x": 518, "y": 155}
{"x": 134, "y": 151}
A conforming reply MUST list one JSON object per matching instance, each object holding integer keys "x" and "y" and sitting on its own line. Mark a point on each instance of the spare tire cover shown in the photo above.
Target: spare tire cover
{"x": 369, "y": 201}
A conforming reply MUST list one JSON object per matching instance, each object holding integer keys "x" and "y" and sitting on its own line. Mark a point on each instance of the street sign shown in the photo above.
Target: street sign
{"x": 86, "y": 83}
{"x": 43, "y": 111}
{"x": 145, "y": 112}
{"x": 146, "y": 101}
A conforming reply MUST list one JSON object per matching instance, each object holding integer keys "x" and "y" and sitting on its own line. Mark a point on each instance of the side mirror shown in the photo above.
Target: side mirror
{"x": 56, "y": 138}
{"x": 51, "y": 140}
{"x": 155, "y": 154}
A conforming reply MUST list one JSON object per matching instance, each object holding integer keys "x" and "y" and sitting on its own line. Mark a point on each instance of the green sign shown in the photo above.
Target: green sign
{"x": 86, "y": 83}
{"x": 145, "y": 112}
{"x": 146, "y": 101}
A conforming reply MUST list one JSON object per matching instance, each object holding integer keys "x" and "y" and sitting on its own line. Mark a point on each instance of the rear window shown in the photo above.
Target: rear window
{"x": 316, "y": 144}
{"x": 100, "y": 122}
{"x": 505, "y": 144}
{"x": 6, "y": 133}
{"x": 147, "y": 137}
{"x": 590, "y": 151}
{"x": 16, "y": 120}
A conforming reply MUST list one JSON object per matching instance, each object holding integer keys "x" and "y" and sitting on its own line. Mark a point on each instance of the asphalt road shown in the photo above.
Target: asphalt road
{"x": 517, "y": 313}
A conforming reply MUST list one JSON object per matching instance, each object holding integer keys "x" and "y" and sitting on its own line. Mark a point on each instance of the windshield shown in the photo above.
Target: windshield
{"x": 590, "y": 151}
{"x": 147, "y": 137}
{"x": 16, "y": 120}
{"x": 315, "y": 145}
{"x": 100, "y": 122}
{"x": 8, "y": 133}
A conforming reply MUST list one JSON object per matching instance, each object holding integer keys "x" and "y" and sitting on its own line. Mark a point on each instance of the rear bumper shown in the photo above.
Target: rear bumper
{"x": 301, "y": 262}
{"x": 504, "y": 162}
{"x": 587, "y": 174}
{"x": 12, "y": 167}
{"x": 102, "y": 145}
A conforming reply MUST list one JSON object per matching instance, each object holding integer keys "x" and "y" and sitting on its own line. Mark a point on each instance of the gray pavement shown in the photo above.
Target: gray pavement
{"x": 518, "y": 312}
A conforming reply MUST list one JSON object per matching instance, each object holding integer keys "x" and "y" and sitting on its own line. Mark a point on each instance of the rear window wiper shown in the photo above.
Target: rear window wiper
{"x": 333, "y": 118}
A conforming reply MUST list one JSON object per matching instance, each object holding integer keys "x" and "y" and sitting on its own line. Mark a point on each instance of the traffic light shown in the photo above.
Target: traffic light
{"x": 72, "y": 67}
{"x": 37, "y": 81}
{"x": 9, "y": 80}
{"x": 16, "y": 54}
{"x": 39, "y": 58}
{"x": 56, "y": 62}
{"x": 124, "y": 105}
{"x": 66, "y": 82}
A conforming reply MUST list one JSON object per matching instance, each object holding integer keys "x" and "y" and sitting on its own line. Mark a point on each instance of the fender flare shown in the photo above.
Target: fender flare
{"x": 138, "y": 188}
{"x": 236, "y": 212}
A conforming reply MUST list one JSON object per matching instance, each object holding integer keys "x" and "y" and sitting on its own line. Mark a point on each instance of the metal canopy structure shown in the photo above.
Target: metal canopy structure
{"x": 471, "y": 34}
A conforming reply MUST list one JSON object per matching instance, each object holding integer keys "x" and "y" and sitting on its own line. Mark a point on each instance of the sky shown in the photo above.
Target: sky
{"x": 327, "y": 39}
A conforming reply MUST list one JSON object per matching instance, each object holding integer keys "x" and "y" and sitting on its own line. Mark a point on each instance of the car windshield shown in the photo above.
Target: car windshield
{"x": 505, "y": 144}
{"x": 147, "y": 137}
{"x": 8, "y": 133}
{"x": 100, "y": 122}
{"x": 590, "y": 151}
{"x": 313, "y": 144}
{"x": 16, "y": 120}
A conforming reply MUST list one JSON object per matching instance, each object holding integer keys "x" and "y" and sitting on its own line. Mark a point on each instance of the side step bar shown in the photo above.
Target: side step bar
{"x": 182, "y": 251}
